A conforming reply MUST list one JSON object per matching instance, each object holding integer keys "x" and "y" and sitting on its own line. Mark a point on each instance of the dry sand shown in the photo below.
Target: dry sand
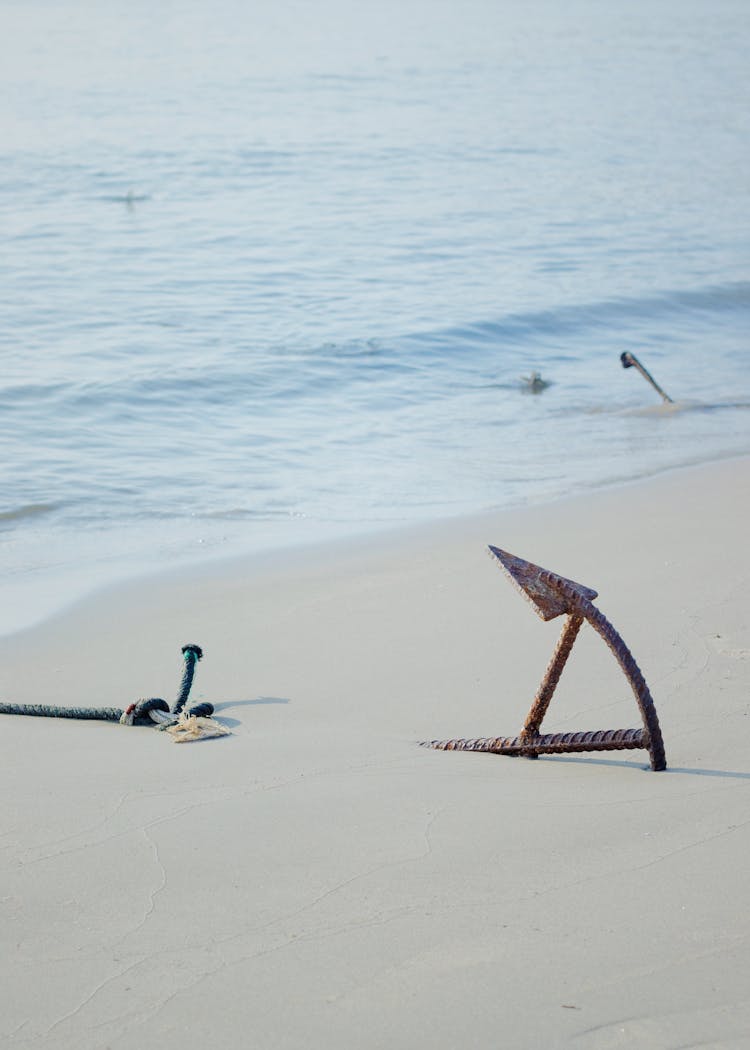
{"x": 317, "y": 879}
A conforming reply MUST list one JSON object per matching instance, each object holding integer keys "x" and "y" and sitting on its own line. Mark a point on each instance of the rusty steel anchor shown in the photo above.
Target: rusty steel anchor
{"x": 552, "y": 595}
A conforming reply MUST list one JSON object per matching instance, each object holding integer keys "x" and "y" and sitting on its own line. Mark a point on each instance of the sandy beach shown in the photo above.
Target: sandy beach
{"x": 317, "y": 879}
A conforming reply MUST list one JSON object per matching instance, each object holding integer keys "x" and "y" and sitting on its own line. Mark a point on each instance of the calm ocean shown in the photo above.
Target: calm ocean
{"x": 272, "y": 272}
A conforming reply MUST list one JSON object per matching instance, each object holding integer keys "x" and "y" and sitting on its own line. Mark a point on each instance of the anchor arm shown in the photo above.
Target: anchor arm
{"x": 632, "y": 672}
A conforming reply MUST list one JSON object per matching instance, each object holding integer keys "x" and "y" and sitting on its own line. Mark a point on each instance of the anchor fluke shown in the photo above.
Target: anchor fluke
{"x": 550, "y": 594}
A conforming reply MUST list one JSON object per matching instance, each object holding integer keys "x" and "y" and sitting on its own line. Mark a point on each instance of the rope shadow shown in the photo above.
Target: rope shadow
{"x": 252, "y": 703}
{"x": 229, "y": 704}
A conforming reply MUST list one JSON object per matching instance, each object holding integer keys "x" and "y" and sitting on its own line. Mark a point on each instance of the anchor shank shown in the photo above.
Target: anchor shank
{"x": 548, "y": 684}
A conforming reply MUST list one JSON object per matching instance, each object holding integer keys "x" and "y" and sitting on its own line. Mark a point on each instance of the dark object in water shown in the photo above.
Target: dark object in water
{"x": 629, "y": 360}
{"x": 552, "y": 595}
{"x": 534, "y": 383}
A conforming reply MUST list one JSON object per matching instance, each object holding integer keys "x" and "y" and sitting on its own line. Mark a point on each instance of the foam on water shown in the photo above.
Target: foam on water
{"x": 264, "y": 282}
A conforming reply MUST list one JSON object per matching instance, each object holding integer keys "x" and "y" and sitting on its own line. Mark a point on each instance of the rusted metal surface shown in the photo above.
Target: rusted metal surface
{"x": 551, "y": 595}
{"x": 544, "y": 694}
{"x": 628, "y": 360}
{"x": 549, "y": 743}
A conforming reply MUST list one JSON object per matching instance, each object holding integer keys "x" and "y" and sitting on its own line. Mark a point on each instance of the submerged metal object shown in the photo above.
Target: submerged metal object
{"x": 552, "y": 595}
{"x": 629, "y": 360}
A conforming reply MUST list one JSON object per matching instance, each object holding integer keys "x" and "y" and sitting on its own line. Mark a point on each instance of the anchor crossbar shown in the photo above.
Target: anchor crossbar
{"x": 549, "y": 743}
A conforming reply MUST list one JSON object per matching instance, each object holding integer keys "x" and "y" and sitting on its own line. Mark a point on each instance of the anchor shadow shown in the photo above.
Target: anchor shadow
{"x": 685, "y": 770}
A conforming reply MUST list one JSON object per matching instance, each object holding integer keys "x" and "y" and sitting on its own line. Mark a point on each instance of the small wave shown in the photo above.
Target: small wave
{"x": 267, "y": 514}
{"x": 28, "y": 510}
{"x": 128, "y": 198}
{"x": 672, "y": 408}
{"x": 613, "y": 315}
{"x": 657, "y": 409}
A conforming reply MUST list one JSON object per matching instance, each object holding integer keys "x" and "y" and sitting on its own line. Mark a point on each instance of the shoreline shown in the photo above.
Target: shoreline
{"x": 54, "y": 586}
{"x": 318, "y": 878}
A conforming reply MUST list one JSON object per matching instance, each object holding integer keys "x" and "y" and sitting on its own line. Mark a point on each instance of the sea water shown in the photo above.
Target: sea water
{"x": 273, "y": 272}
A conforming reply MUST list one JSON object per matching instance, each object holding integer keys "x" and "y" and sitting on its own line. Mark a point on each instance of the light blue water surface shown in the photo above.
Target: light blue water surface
{"x": 273, "y": 271}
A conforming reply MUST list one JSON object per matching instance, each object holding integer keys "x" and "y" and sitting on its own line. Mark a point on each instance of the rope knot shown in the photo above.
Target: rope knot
{"x": 192, "y": 723}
